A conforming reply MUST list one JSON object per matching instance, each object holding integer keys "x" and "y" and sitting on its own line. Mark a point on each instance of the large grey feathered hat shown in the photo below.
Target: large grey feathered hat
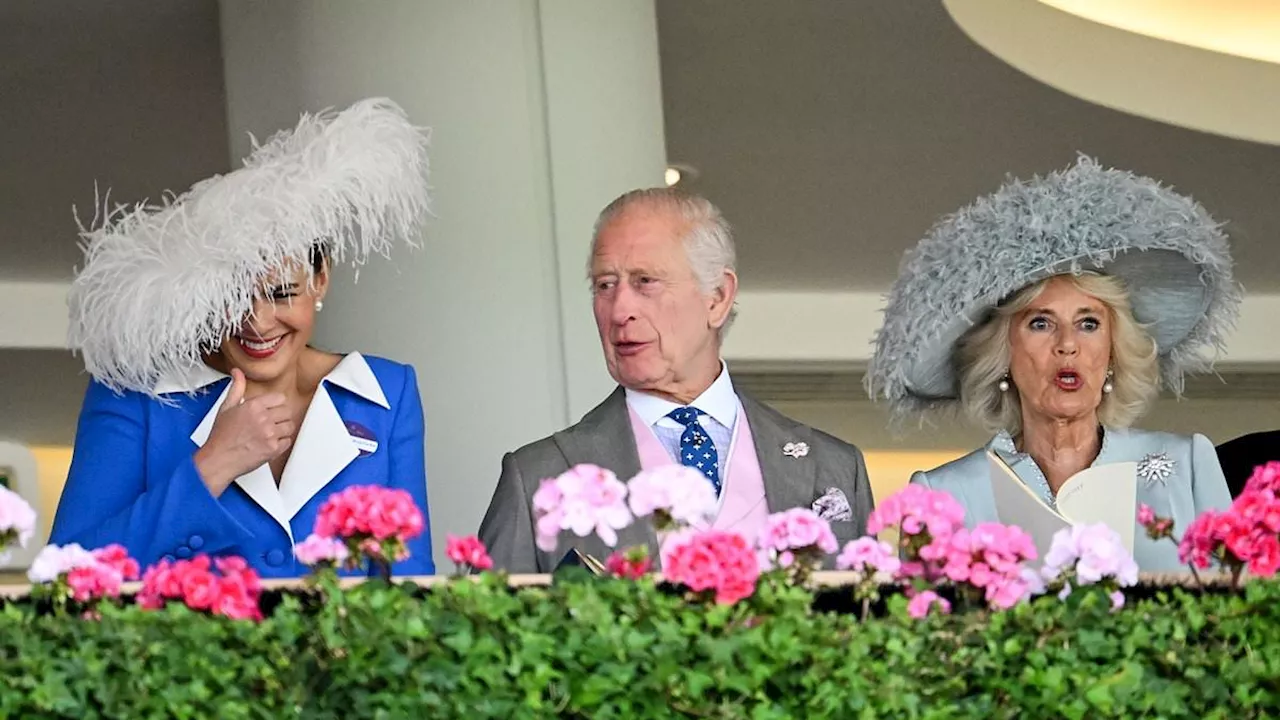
{"x": 1170, "y": 254}
{"x": 161, "y": 284}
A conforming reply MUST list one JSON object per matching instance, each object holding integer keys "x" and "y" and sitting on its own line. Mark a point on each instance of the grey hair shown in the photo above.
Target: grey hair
{"x": 709, "y": 244}
{"x": 982, "y": 359}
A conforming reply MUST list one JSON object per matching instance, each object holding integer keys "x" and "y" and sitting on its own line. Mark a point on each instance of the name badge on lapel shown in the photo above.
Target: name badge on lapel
{"x": 362, "y": 437}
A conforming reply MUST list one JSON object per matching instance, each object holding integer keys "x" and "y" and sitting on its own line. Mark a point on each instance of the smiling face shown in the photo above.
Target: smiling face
{"x": 1060, "y": 349}
{"x": 658, "y": 329}
{"x": 270, "y": 340}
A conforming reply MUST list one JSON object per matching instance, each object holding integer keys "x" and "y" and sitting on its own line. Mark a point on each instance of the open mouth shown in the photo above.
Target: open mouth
{"x": 260, "y": 349}
{"x": 1068, "y": 380}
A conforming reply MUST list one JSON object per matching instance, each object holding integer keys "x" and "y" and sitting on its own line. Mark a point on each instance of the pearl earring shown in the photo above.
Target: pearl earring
{"x": 1003, "y": 384}
{"x": 1108, "y": 386}
{"x": 319, "y": 305}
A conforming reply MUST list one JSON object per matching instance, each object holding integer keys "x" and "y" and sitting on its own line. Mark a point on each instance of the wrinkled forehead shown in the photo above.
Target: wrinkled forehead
{"x": 641, "y": 238}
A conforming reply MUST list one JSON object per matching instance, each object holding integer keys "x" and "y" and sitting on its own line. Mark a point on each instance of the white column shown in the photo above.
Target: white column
{"x": 540, "y": 113}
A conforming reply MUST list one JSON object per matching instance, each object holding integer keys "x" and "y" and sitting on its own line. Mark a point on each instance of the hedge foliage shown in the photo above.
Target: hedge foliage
{"x": 622, "y": 649}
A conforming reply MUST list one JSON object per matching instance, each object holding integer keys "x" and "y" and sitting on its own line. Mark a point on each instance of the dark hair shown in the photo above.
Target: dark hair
{"x": 319, "y": 256}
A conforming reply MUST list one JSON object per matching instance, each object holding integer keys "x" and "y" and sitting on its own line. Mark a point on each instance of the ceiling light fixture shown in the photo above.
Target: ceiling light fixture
{"x": 679, "y": 173}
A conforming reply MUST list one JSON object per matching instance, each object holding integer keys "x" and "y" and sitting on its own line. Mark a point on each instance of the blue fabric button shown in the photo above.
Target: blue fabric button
{"x": 275, "y": 558}
{"x": 184, "y": 552}
{"x": 196, "y": 542}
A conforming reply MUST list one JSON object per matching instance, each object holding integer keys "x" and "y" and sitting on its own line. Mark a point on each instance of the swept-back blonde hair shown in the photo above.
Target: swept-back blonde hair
{"x": 983, "y": 354}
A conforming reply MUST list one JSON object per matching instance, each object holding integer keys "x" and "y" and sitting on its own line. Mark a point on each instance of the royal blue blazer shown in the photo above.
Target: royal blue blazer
{"x": 133, "y": 478}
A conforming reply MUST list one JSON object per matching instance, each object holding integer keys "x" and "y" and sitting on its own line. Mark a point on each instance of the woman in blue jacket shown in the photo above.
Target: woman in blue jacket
{"x": 211, "y": 425}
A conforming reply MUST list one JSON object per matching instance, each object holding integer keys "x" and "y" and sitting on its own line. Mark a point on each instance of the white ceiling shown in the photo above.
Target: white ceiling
{"x": 834, "y": 132}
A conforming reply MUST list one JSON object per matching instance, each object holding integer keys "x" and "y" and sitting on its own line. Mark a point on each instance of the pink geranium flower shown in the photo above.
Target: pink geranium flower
{"x": 798, "y": 533}
{"x": 85, "y": 575}
{"x": 672, "y": 494}
{"x": 320, "y": 550}
{"x": 871, "y": 560}
{"x": 712, "y": 561}
{"x": 583, "y": 500}
{"x": 467, "y": 552}
{"x": 1090, "y": 555}
{"x": 916, "y": 510}
{"x": 17, "y": 521}
{"x": 1246, "y": 535}
{"x": 227, "y": 587}
{"x": 631, "y": 564}
{"x": 374, "y": 521}
{"x": 925, "y": 600}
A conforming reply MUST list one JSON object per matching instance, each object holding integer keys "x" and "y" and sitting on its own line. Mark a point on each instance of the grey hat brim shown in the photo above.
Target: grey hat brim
{"x": 1170, "y": 254}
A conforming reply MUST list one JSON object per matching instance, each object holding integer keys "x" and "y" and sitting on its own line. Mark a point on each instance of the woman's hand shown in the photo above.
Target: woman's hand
{"x": 246, "y": 434}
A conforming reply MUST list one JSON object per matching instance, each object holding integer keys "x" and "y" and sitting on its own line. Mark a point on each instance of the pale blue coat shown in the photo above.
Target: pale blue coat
{"x": 1195, "y": 485}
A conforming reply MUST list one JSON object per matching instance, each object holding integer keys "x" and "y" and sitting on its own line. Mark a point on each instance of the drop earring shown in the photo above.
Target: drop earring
{"x": 1003, "y": 384}
{"x": 1108, "y": 386}
{"x": 319, "y": 305}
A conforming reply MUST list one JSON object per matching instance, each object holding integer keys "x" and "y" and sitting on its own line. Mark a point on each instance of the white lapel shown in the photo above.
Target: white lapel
{"x": 259, "y": 484}
{"x": 322, "y": 449}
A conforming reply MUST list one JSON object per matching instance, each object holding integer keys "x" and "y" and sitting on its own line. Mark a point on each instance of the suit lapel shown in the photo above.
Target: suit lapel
{"x": 258, "y": 484}
{"x": 604, "y": 438}
{"x": 788, "y": 482}
{"x": 322, "y": 450}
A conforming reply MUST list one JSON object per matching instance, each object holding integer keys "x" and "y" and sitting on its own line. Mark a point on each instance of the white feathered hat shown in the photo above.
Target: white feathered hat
{"x": 163, "y": 284}
{"x": 1173, "y": 258}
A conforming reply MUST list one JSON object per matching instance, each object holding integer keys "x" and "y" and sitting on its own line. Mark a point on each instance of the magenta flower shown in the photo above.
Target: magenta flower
{"x": 924, "y": 601}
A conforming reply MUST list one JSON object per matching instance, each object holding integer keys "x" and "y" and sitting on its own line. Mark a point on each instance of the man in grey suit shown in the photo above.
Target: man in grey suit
{"x": 663, "y": 280}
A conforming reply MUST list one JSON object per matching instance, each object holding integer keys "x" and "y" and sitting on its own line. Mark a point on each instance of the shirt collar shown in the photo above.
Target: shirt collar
{"x": 1002, "y": 444}
{"x": 720, "y": 401}
{"x": 352, "y": 374}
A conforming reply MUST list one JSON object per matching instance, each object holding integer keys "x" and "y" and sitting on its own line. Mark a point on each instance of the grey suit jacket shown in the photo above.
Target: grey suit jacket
{"x": 603, "y": 437}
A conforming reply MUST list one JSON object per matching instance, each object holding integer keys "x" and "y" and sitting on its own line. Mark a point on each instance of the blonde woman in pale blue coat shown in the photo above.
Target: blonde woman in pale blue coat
{"x": 1049, "y": 312}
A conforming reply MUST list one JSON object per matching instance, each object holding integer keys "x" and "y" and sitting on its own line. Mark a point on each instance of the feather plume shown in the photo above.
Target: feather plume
{"x": 163, "y": 283}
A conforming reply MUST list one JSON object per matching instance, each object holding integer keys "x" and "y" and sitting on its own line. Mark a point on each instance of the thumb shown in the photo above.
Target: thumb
{"x": 235, "y": 395}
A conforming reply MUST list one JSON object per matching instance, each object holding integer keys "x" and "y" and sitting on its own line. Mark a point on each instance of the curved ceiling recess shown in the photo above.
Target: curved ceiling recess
{"x": 1209, "y": 66}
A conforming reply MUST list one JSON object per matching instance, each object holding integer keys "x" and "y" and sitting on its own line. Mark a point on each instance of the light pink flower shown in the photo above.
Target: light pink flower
{"x": 317, "y": 549}
{"x": 798, "y": 531}
{"x": 681, "y": 492}
{"x": 582, "y": 500}
{"x": 869, "y": 558}
{"x": 17, "y": 520}
{"x": 1093, "y": 552}
{"x": 54, "y": 561}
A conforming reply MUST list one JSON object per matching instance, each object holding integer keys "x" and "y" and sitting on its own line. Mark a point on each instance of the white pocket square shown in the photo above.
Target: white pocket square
{"x": 833, "y": 506}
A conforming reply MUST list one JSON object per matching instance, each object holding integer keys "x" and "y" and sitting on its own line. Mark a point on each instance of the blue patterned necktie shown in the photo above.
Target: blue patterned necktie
{"x": 696, "y": 448}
